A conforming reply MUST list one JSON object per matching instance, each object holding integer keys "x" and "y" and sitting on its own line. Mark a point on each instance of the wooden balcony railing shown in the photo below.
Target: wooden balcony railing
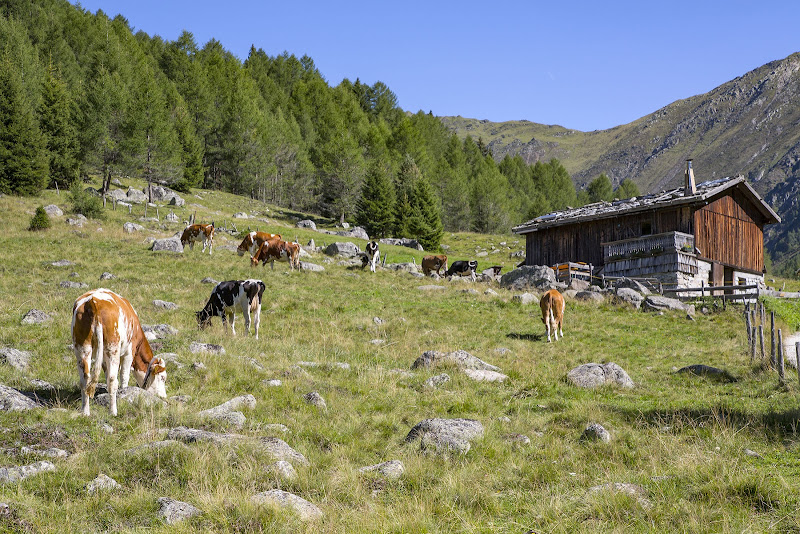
{"x": 649, "y": 245}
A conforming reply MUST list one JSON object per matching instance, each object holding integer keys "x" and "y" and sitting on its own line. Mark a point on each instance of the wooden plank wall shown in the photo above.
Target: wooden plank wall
{"x": 729, "y": 231}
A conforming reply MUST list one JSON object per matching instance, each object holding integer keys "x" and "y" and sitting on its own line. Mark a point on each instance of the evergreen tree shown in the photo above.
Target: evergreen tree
{"x": 627, "y": 189}
{"x": 40, "y": 220}
{"x": 429, "y": 230}
{"x": 57, "y": 125}
{"x": 600, "y": 189}
{"x": 375, "y": 208}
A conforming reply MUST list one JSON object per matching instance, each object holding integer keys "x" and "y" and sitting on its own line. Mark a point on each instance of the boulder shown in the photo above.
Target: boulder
{"x": 102, "y": 483}
{"x": 630, "y": 283}
{"x": 241, "y": 215}
{"x": 12, "y": 400}
{"x": 444, "y": 444}
{"x": 177, "y": 201}
{"x": 158, "y": 331}
{"x": 283, "y": 469}
{"x": 118, "y": 195}
{"x": 169, "y": 244}
{"x": 659, "y": 303}
{"x": 708, "y": 371}
{"x": 401, "y": 242}
{"x": 436, "y": 381}
{"x": 53, "y": 211}
{"x": 525, "y": 299}
{"x": 481, "y": 375}
{"x": 62, "y": 263}
{"x": 345, "y": 248}
{"x": 165, "y": 305}
{"x": 69, "y": 284}
{"x": 529, "y": 276}
{"x": 131, "y": 227}
{"x": 595, "y": 432}
{"x": 195, "y": 347}
{"x": 107, "y": 276}
{"x": 277, "y": 448}
{"x": 592, "y": 375}
{"x": 306, "y": 223}
{"x": 305, "y": 510}
{"x": 315, "y": 399}
{"x": 408, "y": 267}
{"x": 392, "y": 469}
{"x": 79, "y": 220}
{"x": 460, "y": 358}
{"x": 16, "y": 474}
{"x": 463, "y": 429}
{"x": 578, "y": 285}
{"x": 131, "y": 395}
{"x": 135, "y": 196}
{"x": 590, "y": 296}
{"x": 627, "y": 295}
{"x": 172, "y": 511}
{"x": 18, "y": 359}
{"x": 35, "y": 317}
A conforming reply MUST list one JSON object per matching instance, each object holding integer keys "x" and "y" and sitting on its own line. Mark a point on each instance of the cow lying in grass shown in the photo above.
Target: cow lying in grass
{"x": 106, "y": 325}
{"x": 199, "y": 232}
{"x": 552, "y": 305}
{"x": 226, "y": 296}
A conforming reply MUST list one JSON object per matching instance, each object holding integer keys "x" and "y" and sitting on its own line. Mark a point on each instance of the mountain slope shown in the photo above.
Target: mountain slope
{"x": 750, "y": 125}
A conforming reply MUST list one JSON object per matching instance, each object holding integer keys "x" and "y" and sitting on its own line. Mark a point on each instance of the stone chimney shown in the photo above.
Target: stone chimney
{"x": 689, "y": 187}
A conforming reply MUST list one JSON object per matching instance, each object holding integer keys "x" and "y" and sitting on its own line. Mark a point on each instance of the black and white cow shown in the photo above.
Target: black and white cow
{"x": 371, "y": 256}
{"x": 462, "y": 268}
{"x": 226, "y": 296}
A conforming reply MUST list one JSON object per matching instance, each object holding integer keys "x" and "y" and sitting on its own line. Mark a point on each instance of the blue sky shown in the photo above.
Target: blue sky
{"x": 584, "y": 65}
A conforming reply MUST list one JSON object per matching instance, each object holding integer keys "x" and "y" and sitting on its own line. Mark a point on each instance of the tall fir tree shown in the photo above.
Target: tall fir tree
{"x": 426, "y": 208}
{"x": 57, "y": 125}
{"x": 375, "y": 212}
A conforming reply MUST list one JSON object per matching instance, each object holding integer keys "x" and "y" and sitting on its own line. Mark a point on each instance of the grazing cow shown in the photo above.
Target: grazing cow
{"x": 253, "y": 241}
{"x": 199, "y": 232}
{"x": 463, "y": 268}
{"x": 371, "y": 256}
{"x": 494, "y": 270}
{"x": 106, "y": 324}
{"x": 552, "y": 304}
{"x": 226, "y": 296}
{"x": 434, "y": 263}
{"x": 276, "y": 250}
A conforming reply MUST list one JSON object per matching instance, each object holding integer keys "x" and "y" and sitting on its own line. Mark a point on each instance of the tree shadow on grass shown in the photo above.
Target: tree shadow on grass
{"x": 526, "y": 336}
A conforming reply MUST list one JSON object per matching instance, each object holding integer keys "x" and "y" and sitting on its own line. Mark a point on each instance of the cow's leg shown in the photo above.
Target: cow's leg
{"x": 205, "y": 244}
{"x": 125, "y": 366}
{"x": 246, "y": 314}
{"x": 554, "y": 324}
{"x": 233, "y": 322}
{"x": 111, "y": 362}
{"x": 272, "y": 264}
{"x": 257, "y": 317}
{"x": 224, "y": 316}
{"x": 83, "y": 358}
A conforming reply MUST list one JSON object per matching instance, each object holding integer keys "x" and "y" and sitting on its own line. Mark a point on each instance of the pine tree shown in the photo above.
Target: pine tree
{"x": 600, "y": 189}
{"x": 57, "y": 124}
{"x": 627, "y": 189}
{"x": 375, "y": 211}
{"x": 426, "y": 205}
{"x": 40, "y": 220}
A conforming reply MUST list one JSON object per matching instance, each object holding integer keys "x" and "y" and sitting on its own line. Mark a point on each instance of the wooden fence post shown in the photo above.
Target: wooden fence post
{"x": 748, "y": 326}
{"x": 781, "y": 369}
{"x": 753, "y": 345}
{"x": 772, "y": 359}
{"x": 761, "y": 341}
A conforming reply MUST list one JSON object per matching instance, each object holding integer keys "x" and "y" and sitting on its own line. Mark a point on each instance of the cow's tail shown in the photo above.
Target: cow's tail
{"x": 97, "y": 364}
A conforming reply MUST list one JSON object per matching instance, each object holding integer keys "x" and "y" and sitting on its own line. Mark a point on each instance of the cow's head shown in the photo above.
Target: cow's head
{"x": 473, "y": 265}
{"x": 203, "y": 318}
{"x": 253, "y": 261}
{"x": 155, "y": 380}
{"x": 247, "y": 242}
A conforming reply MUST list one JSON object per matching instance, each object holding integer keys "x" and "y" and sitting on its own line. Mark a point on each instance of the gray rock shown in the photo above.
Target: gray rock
{"x": 42, "y": 385}
{"x": 431, "y": 288}
{"x": 521, "y": 439}
{"x": 177, "y": 201}
{"x": 69, "y": 284}
{"x": 277, "y": 448}
{"x": 18, "y": 359}
{"x": 102, "y": 483}
{"x": 78, "y": 221}
{"x": 393, "y": 469}
{"x": 525, "y": 298}
{"x": 131, "y": 395}
{"x": 708, "y": 371}
{"x": 578, "y": 285}
{"x": 630, "y": 283}
{"x": 12, "y": 400}
{"x": 628, "y": 296}
{"x": 315, "y": 399}
{"x": 345, "y": 248}
{"x": 659, "y": 303}
{"x": 172, "y": 511}
{"x": 171, "y": 217}
{"x": 165, "y": 305}
{"x": 16, "y": 474}
{"x": 223, "y": 410}
{"x": 481, "y": 375}
{"x": 306, "y": 223}
{"x": 436, "y": 381}
{"x": 198, "y": 366}
{"x": 313, "y": 267}
{"x": 53, "y": 211}
{"x": 169, "y": 244}
{"x": 592, "y": 375}
{"x": 118, "y": 195}
{"x": 158, "y": 331}
{"x": 209, "y": 280}
{"x": 131, "y": 227}
{"x": 444, "y": 443}
{"x": 409, "y": 267}
{"x": 459, "y": 358}
{"x": 356, "y": 232}
{"x": 401, "y": 372}
{"x": 596, "y": 432}
{"x": 107, "y": 276}
{"x": 35, "y": 317}
{"x": 50, "y": 452}
{"x": 156, "y": 446}
{"x": 135, "y": 196}
{"x": 62, "y": 263}
{"x": 305, "y": 510}
{"x": 401, "y": 242}
{"x": 491, "y": 293}
{"x": 283, "y": 469}
{"x": 196, "y": 347}
{"x": 634, "y": 490}
{"x": 272, "y": 383}
{"x": 465, "y": 429}
{"x": 590, "y": 296}
{"x": 527, "y": 277}
{"x": 240, "y": 215}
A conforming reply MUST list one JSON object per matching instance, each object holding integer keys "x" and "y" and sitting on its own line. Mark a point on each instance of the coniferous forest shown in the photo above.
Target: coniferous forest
{"x": 81, "y": 93}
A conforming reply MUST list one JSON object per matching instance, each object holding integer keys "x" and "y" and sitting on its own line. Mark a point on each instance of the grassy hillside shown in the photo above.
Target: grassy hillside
{"x": 681, "y": 438}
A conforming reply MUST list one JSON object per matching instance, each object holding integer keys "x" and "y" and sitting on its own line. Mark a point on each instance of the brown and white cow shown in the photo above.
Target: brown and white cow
{"x": 106, "y": 325}
{"x": 199, "y": 232}
{"x": 552, "y": 304}
{"x": 276, "y": 250}
{"x": 253, "y": 241}
{"x": 434, "y": 263}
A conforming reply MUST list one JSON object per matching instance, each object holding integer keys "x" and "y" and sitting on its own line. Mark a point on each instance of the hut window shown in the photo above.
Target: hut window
{"x": 647, "y": 228}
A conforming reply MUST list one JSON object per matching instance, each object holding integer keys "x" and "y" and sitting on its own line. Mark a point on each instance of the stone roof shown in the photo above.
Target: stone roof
{"x": 673, "y": 197}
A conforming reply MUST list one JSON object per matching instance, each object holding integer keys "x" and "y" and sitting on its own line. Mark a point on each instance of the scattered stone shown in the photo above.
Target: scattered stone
{"x": 596, "y": 432}
{"x": 529, "y": 276}
{"x": 18, "y": 359}
{"x": 274, "y": 383}
{"x": 431, "y": 288}
{"x": 107, "y": 276}
{"x": 708, "y": 371}
{"x": 634, "y": 490}
{"x": 278, "y": 448}
{"x": 69, "y": 284}
{"x": 12, "y": 400}
{"x": 248, "y": 401}
{"x": 296, "y": 371}
{"x": 482, "y": 375}
{"x": 470, "y": 291}
{"x": 209, "y": 280}
{"x": 313, "y": 267}
{"x": 377, "y": 341}
{"x": 752, "y": 454}
{"x": 276, "y": 427}
{"x": 62, "y": 263}
{"x": 102, "y": 483}
{"x": 590, "y": 296}
{"x": 240, "y": 215}
{"x": 130, "y": 227}
{"x": 378, "y": 321}
{"x": 16, "y": 474}
{"x": 436, "y": 381}
{"x": 401, "y": 242}
{"x": 195, "y": 347}
{"x": 592, "y": 375}
{"x": 283, "y": 469}
{"x": 491, "y": 292}
{"x": 408, "y": 267}
{"x": 459, "y": 358}
{"x": 42, "y": 385}
{"x": 305, "y": 510}
{"x": 356, "y": 232}
{"x": 131, "y": 395}
{"x": 306, "y": 223}
{"x": 198, "y": 366}
{"x": 135, "y": 196}
{"x": 171, "y": 217}
{"x": 525, "y": 298}
{"x": 108, "y": 429}
{"x": 158, "y": 331}
{"x": 346, "y": 249}
{"x": 578, "y": 285}
{"x": 165, "y": 305}
{"x": 315, "y": 399}
{"x": 444, "y": 443}
{"x": 520, "y": 439}
{"x": 172, "y": 511}
{"x": 658, "y": 303}
{"x": 629, "y": 296}
{"x": 502, "y": 350}
{"x": 53, "y": 211}
{"x": 169, "y": 244}
{"x": 393, "y": 469}
{"x": 629, "y": 283}
{"x": 35, "y": 317}
{"x": 461, "y": 429}
{"x": 78, "y": 221}
{"x": 181, "y": 399}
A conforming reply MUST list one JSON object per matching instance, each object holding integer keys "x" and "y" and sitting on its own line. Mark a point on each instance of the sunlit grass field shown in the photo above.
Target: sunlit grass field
{"x": 681, "y": 438}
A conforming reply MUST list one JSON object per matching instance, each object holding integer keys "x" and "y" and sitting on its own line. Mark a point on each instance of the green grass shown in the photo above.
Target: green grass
{"x": 680, "y": 437}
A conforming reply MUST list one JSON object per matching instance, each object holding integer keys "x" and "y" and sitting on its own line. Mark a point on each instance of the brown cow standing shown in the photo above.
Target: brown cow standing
{"x": 253, "y": 241}
{"x": 553, "y": 305}
{"x": 276, "y": 250}
{"x": 198, "y": 232}
{"x": 106, "y": 324}
{"x": 434, "y": 263}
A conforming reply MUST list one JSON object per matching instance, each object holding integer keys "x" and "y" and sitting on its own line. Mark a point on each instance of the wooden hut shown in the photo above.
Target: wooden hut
{"x": 708, "y": 233}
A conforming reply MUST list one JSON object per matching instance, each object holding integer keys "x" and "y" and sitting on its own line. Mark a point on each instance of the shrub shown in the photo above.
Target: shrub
{"x": 84, "y": 202}
{"x": 40, "y": 221}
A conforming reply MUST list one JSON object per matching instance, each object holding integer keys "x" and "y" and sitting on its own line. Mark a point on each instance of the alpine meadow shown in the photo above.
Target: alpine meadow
{"x": 393, "y": 401}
